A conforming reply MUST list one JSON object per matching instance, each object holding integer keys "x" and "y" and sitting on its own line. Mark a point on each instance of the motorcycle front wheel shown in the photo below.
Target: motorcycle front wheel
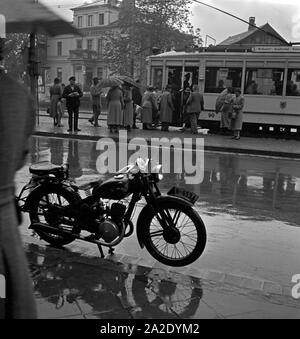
{"x": 45, "y": 205}
{"x": 182, "y": 243}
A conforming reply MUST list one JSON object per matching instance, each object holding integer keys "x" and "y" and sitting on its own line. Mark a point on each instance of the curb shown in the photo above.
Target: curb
{"x": 206, "y": 147}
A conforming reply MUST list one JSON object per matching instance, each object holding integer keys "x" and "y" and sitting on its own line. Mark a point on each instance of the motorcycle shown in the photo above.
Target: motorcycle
{"x": 168, "y": 225}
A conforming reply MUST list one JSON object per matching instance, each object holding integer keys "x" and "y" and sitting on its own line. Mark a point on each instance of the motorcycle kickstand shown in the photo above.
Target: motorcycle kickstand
{"x": 101, "y": 251}
{"x": 111, "y": 251}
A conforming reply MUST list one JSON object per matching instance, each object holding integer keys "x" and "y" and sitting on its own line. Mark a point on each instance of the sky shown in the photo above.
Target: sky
{"x": 283, "y": 15}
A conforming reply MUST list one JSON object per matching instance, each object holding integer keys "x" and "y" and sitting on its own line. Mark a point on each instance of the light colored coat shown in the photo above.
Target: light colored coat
{"x": 238, "y": 106}
{"x": 115, "y": 107}
{"x": 166, "y": 107}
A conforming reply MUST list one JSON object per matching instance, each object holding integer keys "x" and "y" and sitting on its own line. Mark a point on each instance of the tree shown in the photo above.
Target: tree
{"x": 143, "y": 25}
{"x": 14, "y": 54}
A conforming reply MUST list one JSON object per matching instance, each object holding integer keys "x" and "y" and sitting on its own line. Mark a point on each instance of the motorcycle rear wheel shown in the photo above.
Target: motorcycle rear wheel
{"x": 52, "y": 196}
{"x": 188, "y": 242}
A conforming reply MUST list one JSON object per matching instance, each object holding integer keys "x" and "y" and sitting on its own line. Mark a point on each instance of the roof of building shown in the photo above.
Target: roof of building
{"x": 94, "y": 4}
{"x": 238, "y": 38}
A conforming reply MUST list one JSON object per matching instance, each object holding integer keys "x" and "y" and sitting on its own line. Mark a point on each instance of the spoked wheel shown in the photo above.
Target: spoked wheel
{"x": 183, "y": 242}
{"x": 46, "y": 207}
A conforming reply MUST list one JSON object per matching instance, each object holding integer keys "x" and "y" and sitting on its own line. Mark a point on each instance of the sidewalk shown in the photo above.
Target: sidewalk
{"x": 256, "y": 146}
{"x": 71, "y": 285}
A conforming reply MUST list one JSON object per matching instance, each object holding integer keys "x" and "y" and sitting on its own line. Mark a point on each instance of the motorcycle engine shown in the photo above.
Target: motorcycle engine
{"x": 110, "y": 229}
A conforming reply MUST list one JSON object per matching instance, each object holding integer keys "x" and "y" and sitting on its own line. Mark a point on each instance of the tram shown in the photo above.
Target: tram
{"x": 269, "y": 78}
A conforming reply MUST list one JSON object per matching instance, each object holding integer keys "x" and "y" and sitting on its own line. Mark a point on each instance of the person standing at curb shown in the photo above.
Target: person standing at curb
{"x": 226, "y": 110}
{"x": 195, "y": 104}
{"x": 17, "y": 123}
{"x": 72, "y": 94}
{"x": 137, "y": 102}
{"x": 166, "y": 109}
{"x": 115, "y": 103}
{"x": 96, "y": 102}
{"x": 128, "y": 107}
{"x": 237, "y": 117}
{"x": 55, "y": 97}
{"x": 149, "y": 105}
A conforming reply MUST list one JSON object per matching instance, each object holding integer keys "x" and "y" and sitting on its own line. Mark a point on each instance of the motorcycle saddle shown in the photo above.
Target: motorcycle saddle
{"x": 45, "y": 169}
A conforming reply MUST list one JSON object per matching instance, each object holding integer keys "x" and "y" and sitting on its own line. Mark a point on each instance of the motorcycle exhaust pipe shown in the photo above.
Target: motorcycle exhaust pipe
{"x": 53, "y": 230}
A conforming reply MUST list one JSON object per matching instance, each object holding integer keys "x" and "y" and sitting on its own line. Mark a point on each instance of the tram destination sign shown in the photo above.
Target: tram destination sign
{"x": 276, "y": 49}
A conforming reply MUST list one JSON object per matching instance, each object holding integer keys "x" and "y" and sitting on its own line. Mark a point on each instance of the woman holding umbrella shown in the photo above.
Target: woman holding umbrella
{"x": 115, "y": 104}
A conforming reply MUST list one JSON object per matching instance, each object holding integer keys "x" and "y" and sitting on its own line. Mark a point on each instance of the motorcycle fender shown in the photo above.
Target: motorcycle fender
{"x": 148, "y": 210}
{"x": 28, "y": 202}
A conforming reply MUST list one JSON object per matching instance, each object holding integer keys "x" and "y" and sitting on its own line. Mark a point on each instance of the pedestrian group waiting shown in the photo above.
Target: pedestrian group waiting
{"x": 126, "y": 104}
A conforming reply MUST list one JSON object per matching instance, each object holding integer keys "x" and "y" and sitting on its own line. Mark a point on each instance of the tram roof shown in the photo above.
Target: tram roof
{"x": 255, "y": 52}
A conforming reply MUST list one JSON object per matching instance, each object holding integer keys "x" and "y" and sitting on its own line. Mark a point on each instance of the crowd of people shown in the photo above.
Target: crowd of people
{"x": 126, "y": 103}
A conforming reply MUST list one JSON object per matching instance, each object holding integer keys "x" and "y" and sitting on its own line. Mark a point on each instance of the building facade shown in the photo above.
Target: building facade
{"x": 82, "y": 56}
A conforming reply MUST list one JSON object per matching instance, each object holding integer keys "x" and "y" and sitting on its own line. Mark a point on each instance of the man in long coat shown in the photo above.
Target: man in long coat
{"x": 72, "y": 94}
{"x": 16, "y": 125}
{"x": 166, "y": 109}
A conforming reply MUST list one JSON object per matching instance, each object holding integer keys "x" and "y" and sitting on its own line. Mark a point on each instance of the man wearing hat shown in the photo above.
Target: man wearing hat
{"x": 72, "y": 94}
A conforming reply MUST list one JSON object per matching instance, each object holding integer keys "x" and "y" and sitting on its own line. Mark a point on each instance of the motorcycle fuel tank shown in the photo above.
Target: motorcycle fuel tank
{"x": 116, "y": 188}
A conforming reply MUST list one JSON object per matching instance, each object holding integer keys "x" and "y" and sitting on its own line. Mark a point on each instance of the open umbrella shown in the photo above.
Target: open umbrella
{"x": 129, "y": 81}
{"x": 30, "y": 16}
{"x": 110, "y": 82}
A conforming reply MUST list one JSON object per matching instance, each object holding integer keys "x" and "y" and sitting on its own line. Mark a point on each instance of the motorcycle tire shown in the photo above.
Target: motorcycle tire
{"x": 34, "y": 200}
{"x": 162, "y": 255}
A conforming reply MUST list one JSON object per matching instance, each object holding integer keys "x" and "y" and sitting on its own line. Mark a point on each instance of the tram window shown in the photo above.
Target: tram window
{"x": 293, "y": 83}
{"x": 264, "y": 81}
{"x": 217, "y": 79}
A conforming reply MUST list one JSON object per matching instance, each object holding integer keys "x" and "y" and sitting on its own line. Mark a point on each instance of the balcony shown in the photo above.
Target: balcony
{"x": 83, "y": 55}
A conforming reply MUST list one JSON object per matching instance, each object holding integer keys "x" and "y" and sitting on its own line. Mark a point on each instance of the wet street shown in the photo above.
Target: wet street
{"x": 250, "y": 206}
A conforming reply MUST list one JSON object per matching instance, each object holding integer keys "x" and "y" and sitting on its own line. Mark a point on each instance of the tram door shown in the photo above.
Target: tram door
{"x": 180, "y": 78}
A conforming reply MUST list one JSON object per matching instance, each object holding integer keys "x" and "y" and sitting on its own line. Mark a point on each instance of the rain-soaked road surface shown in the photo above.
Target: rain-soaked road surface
{"x": 250, "y": 206}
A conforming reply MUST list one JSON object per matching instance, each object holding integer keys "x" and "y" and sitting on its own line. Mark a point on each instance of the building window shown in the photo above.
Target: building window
{"x": 80, "y": 21}
{"x": 59, "y": 48}
{"x": 59, "y": 73}
{"x": 217, "y": 79}
{"x": 90, "y": 20}
{"x": 264, "y": 81}
{"x": 100, "y": 73}
{"x": 293, "y": 83}
{"x": 90, "y": 44}
{"x": 79, "y": 44}
{"x": 101, "y": 19}
{"x": 100, "y": 46}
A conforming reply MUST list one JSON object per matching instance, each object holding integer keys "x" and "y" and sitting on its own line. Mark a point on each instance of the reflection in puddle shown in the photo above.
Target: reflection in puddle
{"x": 254, "y": 187}
{"x": 129, "y": 292}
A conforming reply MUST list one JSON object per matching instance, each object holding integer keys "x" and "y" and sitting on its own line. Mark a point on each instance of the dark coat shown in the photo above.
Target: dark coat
{"x": 72, "y": 102}
{"x": 195, "y": 103}
{"x": 137, "y": 96}
{"x": 166, "y": 108}
{"x": 16, "y": 122}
